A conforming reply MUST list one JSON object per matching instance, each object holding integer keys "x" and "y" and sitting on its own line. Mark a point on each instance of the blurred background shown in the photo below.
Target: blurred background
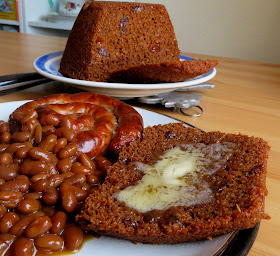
{"x": 247, "y": 29}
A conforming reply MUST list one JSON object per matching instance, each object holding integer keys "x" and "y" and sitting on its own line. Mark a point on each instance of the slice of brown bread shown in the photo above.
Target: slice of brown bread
{"x": 168, "y": 72}
{"x": 222, "y": 190}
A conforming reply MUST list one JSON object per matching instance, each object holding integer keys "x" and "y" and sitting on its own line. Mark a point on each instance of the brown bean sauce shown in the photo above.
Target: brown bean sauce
{"x": 44, "y": 182}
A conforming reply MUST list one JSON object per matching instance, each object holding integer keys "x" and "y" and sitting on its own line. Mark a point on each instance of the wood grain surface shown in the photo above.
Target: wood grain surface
{"x": 246, "y": 99}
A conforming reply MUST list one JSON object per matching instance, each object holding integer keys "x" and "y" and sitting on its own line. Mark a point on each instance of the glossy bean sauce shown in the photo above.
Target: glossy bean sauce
{"x": 43, "y": 183}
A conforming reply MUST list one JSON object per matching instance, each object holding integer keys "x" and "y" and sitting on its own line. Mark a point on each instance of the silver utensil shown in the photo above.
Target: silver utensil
{"x": 21, "y": 79}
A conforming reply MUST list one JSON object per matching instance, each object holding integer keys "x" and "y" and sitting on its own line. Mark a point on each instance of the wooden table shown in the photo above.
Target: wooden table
{"x": 246, "y": 100}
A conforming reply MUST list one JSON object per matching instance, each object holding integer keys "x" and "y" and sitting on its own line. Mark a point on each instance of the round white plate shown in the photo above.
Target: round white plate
{"x": 105, "y": 246}
{"x": 48, "y": 66}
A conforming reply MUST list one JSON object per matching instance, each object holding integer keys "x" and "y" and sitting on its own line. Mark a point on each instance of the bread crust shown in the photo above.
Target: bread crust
{"x": 167, "y": 72}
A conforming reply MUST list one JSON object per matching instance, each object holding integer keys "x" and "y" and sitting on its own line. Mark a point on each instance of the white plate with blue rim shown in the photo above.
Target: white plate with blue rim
{"x": 48, "y": 66}
{"x": 106, "y": 246}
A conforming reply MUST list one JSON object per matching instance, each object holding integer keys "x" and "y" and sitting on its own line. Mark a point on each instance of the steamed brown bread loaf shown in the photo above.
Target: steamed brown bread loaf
{"x": 221, "y": 187}
{"x": 109, "y": 36}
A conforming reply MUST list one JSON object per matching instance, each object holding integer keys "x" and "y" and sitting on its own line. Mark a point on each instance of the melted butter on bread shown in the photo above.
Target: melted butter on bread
{"x": 176, "y": 179}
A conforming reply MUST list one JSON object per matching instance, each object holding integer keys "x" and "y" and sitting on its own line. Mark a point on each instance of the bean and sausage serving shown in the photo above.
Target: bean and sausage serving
{"x": 51, "y": 158}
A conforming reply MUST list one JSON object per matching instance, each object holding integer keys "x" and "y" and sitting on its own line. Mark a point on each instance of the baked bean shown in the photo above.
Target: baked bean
{"x": 55, "y": 180}
{"x": 6, "y": 158}
{"x": 7, "y": 221}
{"x": 61, "y": 143}
{"x": 25, "y": 128}
{"x": 85, "y": 161}
{"x": 22, "y": 177}
{"x": 49, "y": 242}
{"x": 6, "y": 137}
{"x": 31, "y": 124}
{"x": 3, "y": 210}
{"x": 53, "y": 169}
{"x": 93, "y": 179}
{"x": 69, "y": 200}
{"x": 23, "y": 152}
{"x": 80, "y": 194}
{"x": 21, "y": 136}
{"x": 31, "y": 114}
{"x": 75, "y": 179}
{"x": 13, "y": 148}
{"x": 66, "y": 175}
{"x": 50, "y": 119}
{"x": 23, "y": 247}
{"x": 7, "y": 173}
{"x": 85, "y": 186}
{"x": 58, "y": 222}
{"x": 64, "y": 132}
{"x": 102, "y": 163}
{"x": 19, "y": 227}
{"x": 10, "y": 198}
{"x": 81, "y": 170}
{"x": 40, "y": 185}
{"x": 48, "y": 129}
{"x": 51, "y": 196}
{"x": 48, "y": 143}
{"x": 76, "y": 164}
{"x": 28, "y": 206}
{"x": 33, "y": 195}
{"x": 68, "y": 151}
{"x": 4, "y": 127}
{"x": 31, "y": 168}
{"x": 17, "y": 161}
{"x": 73, "y": 237}
{"x": 64, "y": 165}
{"x": 2, "y": 182}
{"x": 18, "y": 185}
{"x": 40, "y": 176}
{"x": 40, "y": 154}
{"x": 38, "y": 134}
{"x": 38, "y": 227}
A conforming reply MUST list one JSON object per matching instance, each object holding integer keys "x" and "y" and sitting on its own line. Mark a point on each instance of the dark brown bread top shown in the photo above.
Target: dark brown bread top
{"x": 238, "y": 189}
{"x": 167, "y": 72}
{"x": 109, "y": 36}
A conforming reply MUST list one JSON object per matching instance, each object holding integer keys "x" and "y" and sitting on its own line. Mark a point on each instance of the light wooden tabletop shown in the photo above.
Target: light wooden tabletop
{"x": 246, "y": 99}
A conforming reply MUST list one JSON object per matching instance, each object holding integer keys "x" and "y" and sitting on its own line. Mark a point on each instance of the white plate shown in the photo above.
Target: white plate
{"x": 48, "y": 66}
{"x": 106, "y": 246}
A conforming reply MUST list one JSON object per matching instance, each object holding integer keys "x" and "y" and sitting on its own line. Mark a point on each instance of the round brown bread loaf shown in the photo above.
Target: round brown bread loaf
{"x": 109, "y": 36}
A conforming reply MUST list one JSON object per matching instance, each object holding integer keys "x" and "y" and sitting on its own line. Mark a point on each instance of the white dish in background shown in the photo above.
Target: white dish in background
{"x": 105, "y": 246}
{"x": 48, "y": 66}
